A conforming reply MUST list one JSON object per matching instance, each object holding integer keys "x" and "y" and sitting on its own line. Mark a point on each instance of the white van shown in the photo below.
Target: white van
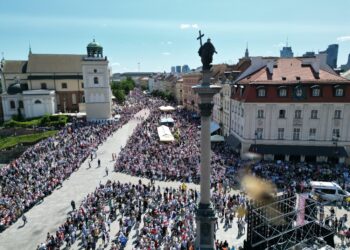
{"x": 329, "y": 191}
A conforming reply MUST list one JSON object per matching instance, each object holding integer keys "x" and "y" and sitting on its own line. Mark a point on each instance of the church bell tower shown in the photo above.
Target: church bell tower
{"x": 97, "y": 90}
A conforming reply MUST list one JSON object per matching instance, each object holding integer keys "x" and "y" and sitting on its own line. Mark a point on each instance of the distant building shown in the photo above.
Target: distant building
{"x": 173, "y": 69}
{"x": 178, "y": 69}
{"x": 309, "y": 54}
{"x": 286, "y": 52}
{"x": 185, "y": 68}
{"x": 332, "y": 55}
{"x": 346, "y": 67}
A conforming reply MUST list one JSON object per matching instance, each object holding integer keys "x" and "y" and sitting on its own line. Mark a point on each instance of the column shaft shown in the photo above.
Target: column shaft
{"x": 205, "y": 160}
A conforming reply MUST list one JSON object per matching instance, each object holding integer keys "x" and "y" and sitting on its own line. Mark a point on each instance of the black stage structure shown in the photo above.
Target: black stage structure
{"x": 286, "y": 222}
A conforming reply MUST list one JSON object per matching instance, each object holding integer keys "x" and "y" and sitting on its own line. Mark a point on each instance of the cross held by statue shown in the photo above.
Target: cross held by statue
{"x": 200, "y": 37}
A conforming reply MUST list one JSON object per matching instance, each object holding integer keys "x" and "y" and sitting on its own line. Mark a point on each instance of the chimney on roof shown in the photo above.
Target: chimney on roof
{"x": 270, "y": 66}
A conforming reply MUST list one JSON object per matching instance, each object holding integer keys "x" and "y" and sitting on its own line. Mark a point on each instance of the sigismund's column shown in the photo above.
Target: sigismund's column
{"x": 205, "y": 216}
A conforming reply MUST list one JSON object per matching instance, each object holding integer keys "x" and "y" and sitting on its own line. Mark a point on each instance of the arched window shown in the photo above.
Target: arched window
{"x": 96, "y": 80}
{"x": 12, "y": 104}
{"x": 43, "y": 86}
{"x": 20, "y": 104}
{"x": 37, "y": 102}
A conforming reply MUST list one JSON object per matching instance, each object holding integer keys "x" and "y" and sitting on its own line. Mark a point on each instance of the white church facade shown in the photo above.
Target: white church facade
{"x": 55, "y": 83}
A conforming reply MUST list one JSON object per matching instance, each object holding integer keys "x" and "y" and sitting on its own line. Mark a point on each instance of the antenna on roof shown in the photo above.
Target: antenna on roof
{"x": 30, "y": 48}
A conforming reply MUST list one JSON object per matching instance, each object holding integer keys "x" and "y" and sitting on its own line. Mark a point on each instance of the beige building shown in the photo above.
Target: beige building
{"x": 44, "y": 84}
{"x": 178, "y": 91}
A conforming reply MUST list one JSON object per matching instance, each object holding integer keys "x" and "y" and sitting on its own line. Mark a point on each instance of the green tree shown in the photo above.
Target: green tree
{"x": 119, "y": 95}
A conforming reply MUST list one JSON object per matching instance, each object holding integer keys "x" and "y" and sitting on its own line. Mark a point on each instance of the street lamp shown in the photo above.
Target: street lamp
{"x": 255, "y": 138}
{"x": 335, "y": 140}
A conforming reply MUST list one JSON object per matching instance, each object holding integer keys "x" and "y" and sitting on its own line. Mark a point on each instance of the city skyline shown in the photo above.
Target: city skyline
{"x": 163, "y": 34}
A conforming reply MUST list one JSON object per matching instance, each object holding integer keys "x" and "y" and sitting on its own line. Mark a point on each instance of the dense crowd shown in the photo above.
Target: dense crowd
{"x": 144, "y": 155}
{"x": 43, "y": 167}
{"x": 159, "y": 218}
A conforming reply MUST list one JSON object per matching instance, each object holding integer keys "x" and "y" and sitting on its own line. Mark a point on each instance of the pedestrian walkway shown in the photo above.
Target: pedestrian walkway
{"x": 51, "y": 213}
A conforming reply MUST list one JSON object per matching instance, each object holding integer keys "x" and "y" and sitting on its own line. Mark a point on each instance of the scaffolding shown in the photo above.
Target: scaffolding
{"x": 287, "y": 221}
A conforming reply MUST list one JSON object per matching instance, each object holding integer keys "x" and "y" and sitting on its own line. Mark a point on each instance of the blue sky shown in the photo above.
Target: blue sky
{"x": 162, "y": 33}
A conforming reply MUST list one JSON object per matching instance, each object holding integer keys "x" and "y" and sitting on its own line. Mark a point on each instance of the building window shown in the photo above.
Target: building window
{"x": 280, "y": 134}
{"x": 312, "y": 133}
{"x": 95, "y": 70}
{"x": 64, "y": 85}
{"x": 259, "y": 133}
{"x": 261, "y": 92}
{"x": 37, "y": 102}
{"x": 12, "y": 104}
{"x": 282, "y": 114}
{"x": 297, "y": 114}
{"x": 24, "y": 86}
{"x": 260, "y": 113}
{"x": 336, "y": 133}
{"x": 74, "y": 99}
{"x": 296, "y": 134}
{"x": 314, "y": 114}
{"x": 96, "y": 80}
{"x": 20, "y": 104}
{"x": 82, "y": 85}
{"x": 43, "y": 86}
{"x": 337, "y": 114}
{"x": 298, "y": 92}
{"x": 316, "y": 92}
{"x": 282, "y": 92}
{"x": 339, "y": 91}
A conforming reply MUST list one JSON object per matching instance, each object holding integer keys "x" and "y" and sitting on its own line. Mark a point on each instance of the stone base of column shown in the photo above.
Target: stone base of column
{"x": 206, "y": 220}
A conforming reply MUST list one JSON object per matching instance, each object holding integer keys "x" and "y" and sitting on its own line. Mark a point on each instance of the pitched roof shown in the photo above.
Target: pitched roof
{"x": 15, "y": 66}
{"x": 289, "y": 71}
{"x": 51, "y": 63}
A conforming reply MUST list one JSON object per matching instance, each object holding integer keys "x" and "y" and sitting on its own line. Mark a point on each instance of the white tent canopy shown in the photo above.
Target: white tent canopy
{"x": 166, "y": 120}
{"x": 165, "y": 134}
{"x": 166, "y": 108}
{"x": 217, "y": 138}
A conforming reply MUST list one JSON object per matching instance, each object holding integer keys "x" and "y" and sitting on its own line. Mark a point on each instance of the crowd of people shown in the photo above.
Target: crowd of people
{"x": 144, "y": 155}
{"x": 43, "y": 167}
{"x": 158, "y": 218}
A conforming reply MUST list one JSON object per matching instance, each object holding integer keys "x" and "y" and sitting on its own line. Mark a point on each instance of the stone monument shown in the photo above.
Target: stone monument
{"x": 205, "y": 216}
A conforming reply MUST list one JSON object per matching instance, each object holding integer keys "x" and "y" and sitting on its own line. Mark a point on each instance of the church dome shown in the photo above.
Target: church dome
{"x": 14, "y": 89}
{"x": 94, "y": 50}
{"x": 94, "y": 44}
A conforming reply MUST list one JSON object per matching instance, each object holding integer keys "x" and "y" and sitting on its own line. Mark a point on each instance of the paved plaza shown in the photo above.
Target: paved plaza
{"x": 52, "y": 212}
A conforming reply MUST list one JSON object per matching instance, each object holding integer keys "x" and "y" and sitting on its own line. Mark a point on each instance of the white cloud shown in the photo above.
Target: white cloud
{"x": 115, "y": 64}
{"x": 169, "y": 42}
{"x": 166, "y": 53}
{"x": 279, "y": 45}
{"x": 189, "y": 26}
{"x": 343, "y": 38}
